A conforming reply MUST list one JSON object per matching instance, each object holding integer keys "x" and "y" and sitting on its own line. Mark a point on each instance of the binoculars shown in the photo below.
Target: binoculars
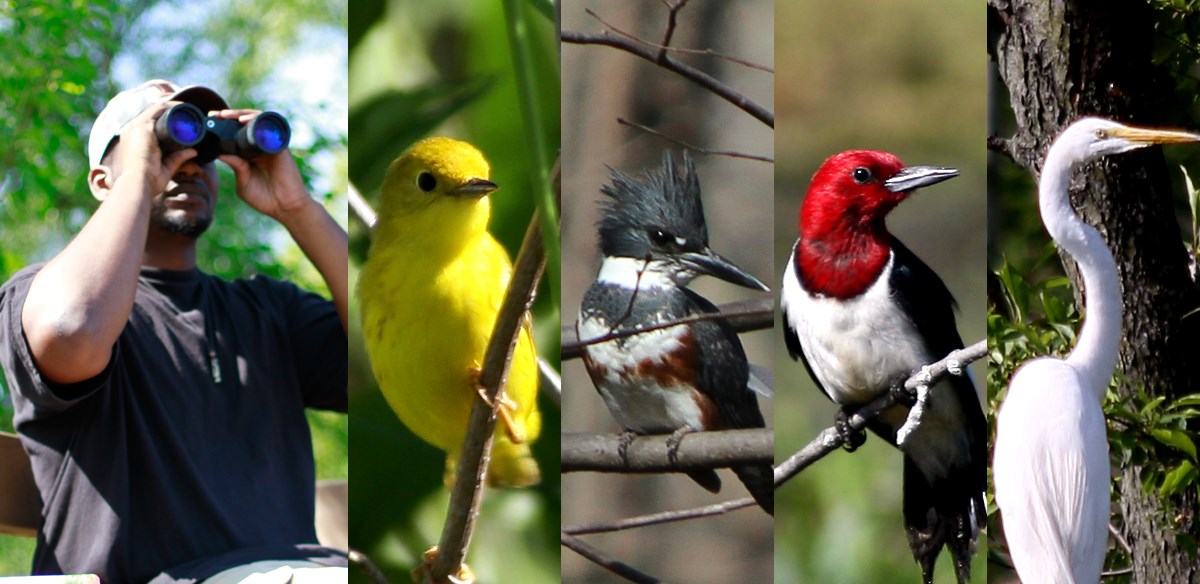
{"x": 185, "y": 126}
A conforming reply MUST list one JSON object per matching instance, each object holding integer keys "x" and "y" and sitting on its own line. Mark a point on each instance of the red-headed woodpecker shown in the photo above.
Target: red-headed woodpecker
{"x": 862, "y": 312}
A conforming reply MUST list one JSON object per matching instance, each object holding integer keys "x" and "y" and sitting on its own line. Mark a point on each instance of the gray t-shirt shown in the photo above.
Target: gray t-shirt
{"x": 193, "y": 442}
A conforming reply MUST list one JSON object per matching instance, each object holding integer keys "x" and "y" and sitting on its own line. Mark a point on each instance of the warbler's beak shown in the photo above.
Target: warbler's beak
{"x": 914, "y": 177}
{"x": 708, "y": 262}
{"x": 1147, "y": 136}
{"x": 476, "y": 187}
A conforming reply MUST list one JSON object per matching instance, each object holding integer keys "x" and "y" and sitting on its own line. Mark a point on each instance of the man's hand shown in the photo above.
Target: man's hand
{"x": 270, "y": 184}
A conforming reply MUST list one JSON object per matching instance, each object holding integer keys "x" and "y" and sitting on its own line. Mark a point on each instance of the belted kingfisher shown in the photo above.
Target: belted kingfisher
{"x": 684, "y": 378}
{"x": 863, "y": 312}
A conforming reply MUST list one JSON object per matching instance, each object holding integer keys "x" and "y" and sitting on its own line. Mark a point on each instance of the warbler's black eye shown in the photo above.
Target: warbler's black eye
{"x": 426, "y": 182}
{"x": 660, "y": 237}
{"x": 862, "y": 175}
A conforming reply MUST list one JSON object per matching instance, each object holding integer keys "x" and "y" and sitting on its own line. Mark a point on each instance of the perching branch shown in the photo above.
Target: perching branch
{"x": 729, "y": 153}
{"x": 829, "y": 439}
{"x": 615, "y": 566}
{"x": 658, "y": 54}
{"x": 472, "y": 466}
{"x": 648, "y": 454}
{"x": 361, "y": 209}
{"x": 745, "y": 315}
{"x": 660, "y": 518}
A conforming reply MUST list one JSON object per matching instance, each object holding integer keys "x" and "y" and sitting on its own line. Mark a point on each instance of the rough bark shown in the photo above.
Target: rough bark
{"x": 1064, "y": 59}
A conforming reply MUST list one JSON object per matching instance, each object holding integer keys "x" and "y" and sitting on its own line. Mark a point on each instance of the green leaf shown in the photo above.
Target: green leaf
{"x": 1175, "y": 438}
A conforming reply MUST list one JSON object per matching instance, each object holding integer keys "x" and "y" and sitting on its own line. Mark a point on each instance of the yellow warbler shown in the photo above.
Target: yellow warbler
{"x": 429, "y": 294}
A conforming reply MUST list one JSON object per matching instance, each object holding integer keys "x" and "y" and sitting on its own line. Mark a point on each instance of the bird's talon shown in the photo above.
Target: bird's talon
{"x": 902, "y": 395}
{"x": 673, "y": 443}
{"x": 623, "y": 445}
{"x": 954, "y": 367}
{"x": 851, "y": 439}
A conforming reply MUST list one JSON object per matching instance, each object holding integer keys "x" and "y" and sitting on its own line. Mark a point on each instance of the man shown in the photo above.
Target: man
{"x": 163, "y": 408}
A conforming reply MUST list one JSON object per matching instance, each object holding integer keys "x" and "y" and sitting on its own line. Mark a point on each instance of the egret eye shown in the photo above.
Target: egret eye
{"x": 862, "y": 175}
{"x": 1101, "y": 134}
{"x": 426, "y": 182}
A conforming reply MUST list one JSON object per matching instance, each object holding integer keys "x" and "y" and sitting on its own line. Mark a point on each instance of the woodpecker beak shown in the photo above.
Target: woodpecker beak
{"x": 914, "y": 177}
{"x": 709, "y": 263}
{"x": 1146, "y": 136}
{"x": 476, "y": 187}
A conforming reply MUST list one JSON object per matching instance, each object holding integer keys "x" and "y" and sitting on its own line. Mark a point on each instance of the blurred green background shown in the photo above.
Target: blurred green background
{"x": 907, "y": 77}
{"x": 445, "y": 68}
{"x": 60, "y": 62}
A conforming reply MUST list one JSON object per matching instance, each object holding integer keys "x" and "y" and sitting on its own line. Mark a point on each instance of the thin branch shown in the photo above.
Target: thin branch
{"x": 1002, "y": 146}
{"x": 660, "y": 518}
{"x": 472, "y": 466}
{"x": 729, "y": 153}
{"x": 551, "y": 381}
{"x": 666, "y": 62}
{"x": 829, "y": 439}
{"x": 650, "y": 454}
{"x": 368, "y": 567}
{"x": 615, "y": 566}
{"x": 663, "y": 47}
{"x": 362, "y": 209}
{"x": 1128, "y": 552}
{"x": 744, "y": 315}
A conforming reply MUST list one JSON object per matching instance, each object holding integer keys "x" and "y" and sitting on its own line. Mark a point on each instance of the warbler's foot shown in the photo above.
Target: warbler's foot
{"x": 503, "y": 406}
{"x": 424, "y": 572}
{"x": 851, "y": 439}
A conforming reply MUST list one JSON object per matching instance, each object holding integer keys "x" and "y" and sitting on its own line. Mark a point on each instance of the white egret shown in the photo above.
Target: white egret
{"x": 1050, "y": 466}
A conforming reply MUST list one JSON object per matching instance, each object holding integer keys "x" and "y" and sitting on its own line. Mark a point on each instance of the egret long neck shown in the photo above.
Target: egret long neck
{"x": 1095, "y": 353}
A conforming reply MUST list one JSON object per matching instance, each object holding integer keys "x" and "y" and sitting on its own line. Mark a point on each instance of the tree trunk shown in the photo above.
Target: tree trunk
{"x": 1064, "y": 59}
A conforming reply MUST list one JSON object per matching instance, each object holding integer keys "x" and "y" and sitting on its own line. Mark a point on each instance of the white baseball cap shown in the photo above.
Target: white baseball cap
{"x": 126, "y": 105}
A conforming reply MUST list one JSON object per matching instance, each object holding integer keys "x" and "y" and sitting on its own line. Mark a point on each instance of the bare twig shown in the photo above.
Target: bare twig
{"x": 665, "y": 61}
{"x": 663, "y": 47}
{"x": 1002, "y": 146}
{"x": 361, "y": 208}
{"x": 647, "y": 454}
{"x": 829, "y": 439}
{"x": 615, "y": 566}
{"x": 368, "y": 567}
{"x": 660, "y": 518}
{"x": 1128, "y": 552}
{"x": 729, "y": 153}
{"x": 472, "y": 466}
{"x": 744, "y": 316}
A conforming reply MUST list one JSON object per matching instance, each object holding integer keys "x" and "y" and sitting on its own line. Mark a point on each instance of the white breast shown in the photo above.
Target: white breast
{"x": 639, "y": 403}
{"x": 855, "y": 347}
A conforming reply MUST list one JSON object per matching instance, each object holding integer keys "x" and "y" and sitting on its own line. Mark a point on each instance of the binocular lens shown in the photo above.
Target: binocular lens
{"x": 181, "y": 126}
{"x": 270, "y": 132}
{"x": 185, "y": 125}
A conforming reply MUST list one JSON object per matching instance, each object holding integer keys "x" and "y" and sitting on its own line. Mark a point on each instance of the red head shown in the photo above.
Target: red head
{"x": 844, "y": 243}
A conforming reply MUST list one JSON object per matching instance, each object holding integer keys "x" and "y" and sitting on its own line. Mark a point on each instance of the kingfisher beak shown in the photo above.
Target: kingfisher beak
{"x": 914, "y": 177}
{"x": 1147, "y": 136}
{"x": 476, "y": 187}
{"x": 709, "y": 263}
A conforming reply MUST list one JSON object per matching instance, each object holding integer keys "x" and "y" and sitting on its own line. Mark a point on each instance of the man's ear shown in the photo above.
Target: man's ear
{"x": 100, "y": 180}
